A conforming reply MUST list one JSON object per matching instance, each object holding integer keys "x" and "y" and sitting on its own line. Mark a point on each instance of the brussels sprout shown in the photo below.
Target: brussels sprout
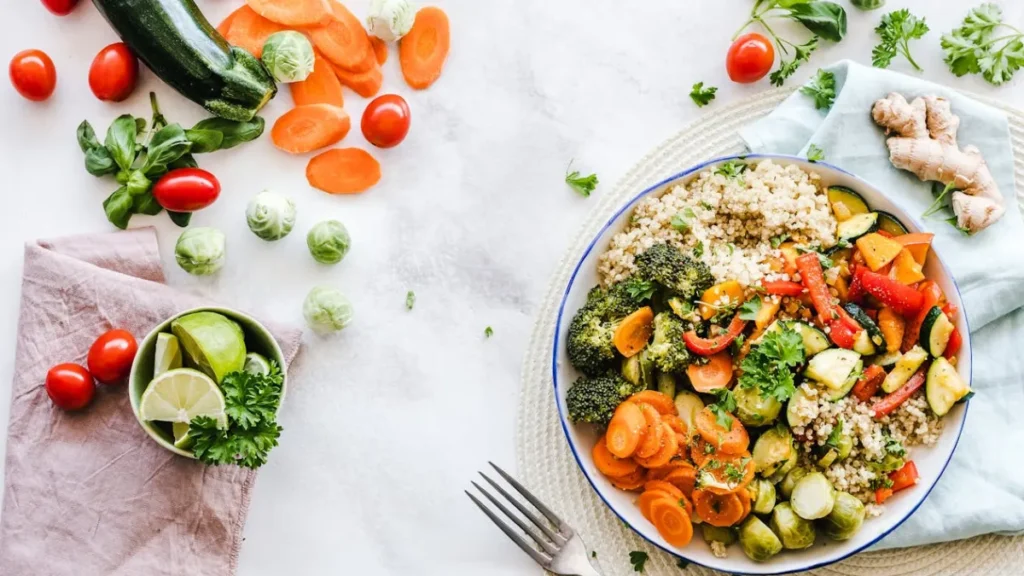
{"x": 200, "y": 251}
{"x": 328, "y": 242}
{"x": 667, "y": 384}
{"x": 794, "y": 532}
{"x": 288, "y": 56}
{"x": 758, "y": 541}
{"x": 270, "y": 215}
{"x": 773, "y": 449}
{"x": 638, "y": 369}
{"x": 716, "y": 534}
{"x": 327, "y": 310}
{"x": 793, "y": 414}
{"x": 389, "y": 20}
{"x": 764, "y": 498}
{"x": 845, "y": 519}
{"x": 688, "y": 405}
{"x": 813, "y": 496}
{"x": 753, "y": 409}
{"x": 845, "y": 446}
{"x": 788, "y": 465}
{"x": 789, "y": 482}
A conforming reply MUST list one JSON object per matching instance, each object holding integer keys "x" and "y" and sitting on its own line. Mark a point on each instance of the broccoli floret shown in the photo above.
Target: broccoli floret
{"x": 675, "y": 271}
{"x": 594, "y": 398}
{"x": 668, "y": 350}
{"x": 621, "y": 299}
{"x": 589, "y": 342}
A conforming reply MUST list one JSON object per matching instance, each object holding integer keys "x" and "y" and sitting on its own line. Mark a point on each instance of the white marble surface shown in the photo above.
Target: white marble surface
{"x": 389, "y": 422}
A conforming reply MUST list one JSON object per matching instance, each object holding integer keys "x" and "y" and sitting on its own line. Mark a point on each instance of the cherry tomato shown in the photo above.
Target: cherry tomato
{"x": 111, "y": 356}
{"x": 60, "y": 7}
{"x": 186, "y": 190}
{"x": 33, "y": 74}
{"x": 750, "y": 57}
{"x": 113, "y": 73}
{"x": 386, "y": 121}
{"x": 70, "y": 386}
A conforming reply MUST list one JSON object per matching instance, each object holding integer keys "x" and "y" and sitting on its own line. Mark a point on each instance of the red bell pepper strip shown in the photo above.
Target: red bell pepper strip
{"x": 868, "y": 384}
{"x": 931, "y": 295}
{"x": 710, "y": 346}
{"x": 893, "y": 401}
{"x": 855, "y": 293}
{"x": 848, "y": 320}
{"x": 782, "y": 287}
{"x": 902, "y": 479}
{"x": 813, "y": 278}
{"x": 954, "y": 344}
{"x": 950, "y": 310}
{"x": 841, "y": 334}
{"x": 882, "y": 494}
{"x": 902, "y": 299}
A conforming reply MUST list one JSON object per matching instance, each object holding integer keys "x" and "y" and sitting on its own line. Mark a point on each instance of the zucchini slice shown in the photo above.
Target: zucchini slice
{"x": 815, "y": 340}
{"x": 857, "y": 226}
{"x": 766, "y": 496}
{"x": 944, "y": 387}
{"x": 838, "y": 394}
{"x": 891, "y": 224}
{"x": 845, "y": 203}
{"x": 887, "y": 359}
{"x": 904, "y": 369}
{"x": 865, "y": 321}
{"x": 813, "y": 496}
{"x": 935, "y": 331}
{"x": 863, "y": 344}
{"x": 832, "y": 367}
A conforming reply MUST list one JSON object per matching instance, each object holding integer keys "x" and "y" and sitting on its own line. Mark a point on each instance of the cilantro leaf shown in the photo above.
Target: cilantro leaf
{"x": 702, "y": 96}
{"x": 410, "y": 300}
{"x": 732, "y": 169}
{"x": 488, "y": 332}
{"x": 583, "y": 185}
{"x": 769, "y": 365}
{"x": 723, "y": 407}
{"x": 750, "y": 308}
{"x": 698, "y": 250}
{"x": 802, "y": 53}
{"x": 638, "y": 559}
{"x": 822, "y": 88}
{"x": 984, "y": 44}
{"x": 815, "y": 154}
{"x": 896, "y": 30}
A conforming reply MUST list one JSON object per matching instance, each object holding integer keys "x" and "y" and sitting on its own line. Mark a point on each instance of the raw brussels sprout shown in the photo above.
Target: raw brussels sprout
{"x": 389, "y": 20}
{"x": 773, "y": 449}
{"x": 327, "y": 310}
{"x": 753, "y": 409}
{"x": 328, "y": 242}
{"x": 793, "y": 531}
{"x": 813, "y": 496}
{"x": 270, "y": 215}
{"x": 716, "y": 534}
{"x": 789, "y": 482}
{"x": 845, "y": 519}
{"x": 200, "y": 251}
{"x": 764, "y": 497}
{"x": 758, "y": 541}
{"x": 288, "y": 56}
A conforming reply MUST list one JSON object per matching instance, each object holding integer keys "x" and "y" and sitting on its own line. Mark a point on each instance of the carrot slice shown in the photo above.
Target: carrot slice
{"x": 646, "y": 499}
{"x": 653, "y": 432}
{"x": 663, "y": 486}
{"x": 634, "y": 331}
{"x": 700, "y": 451}
{"x": 249, "y": 30}
{"x": 662, "y": 403}
{"x": 672, "y": 522}
{"x": 380, "y": 49}
{"x": 732, "y": 440}
{"x": 306, "y": 128}
{"x": 720, "y": 510}
{"x": 342, "y": 39}
{"x": 320, "y": 87}
{"x": 661, "y": 472}
{"x": 684, "y": 477}
{"x": 608, "y": 464}
{"x": 632, "y": 481}
{"x": 625, "y": 430}
{"x": 725, "y": 474}
{"x": 366, "y": 84}
{"x": 747, "y": 501}
{"x": 292, "y": 12}
{"x": 423, "y": 50}
{"x": 343, "y": 171}
{"x": 225, "y": 24}
{"x": 717, "y": 373}
{"x": 669, "y": 450}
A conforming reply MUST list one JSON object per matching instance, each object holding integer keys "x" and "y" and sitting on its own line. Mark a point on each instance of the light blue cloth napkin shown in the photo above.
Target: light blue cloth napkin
{"x": 982, "y": 490}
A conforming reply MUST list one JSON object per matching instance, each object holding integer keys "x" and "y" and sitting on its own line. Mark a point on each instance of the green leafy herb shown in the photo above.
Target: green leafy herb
{"x": 583, "y": 185}
{"x": 801, "y": 53}
{"x": 777, "y": 241}
{"x": 769, "y": 365}
{"x": 593, "y": 554}
{"x": 984, "y": 44}
{"x": 835, "y": 435}
{"x": 118, "y": 207}
{"x": 706, "y": 206}
{"x": 823, "y": 19}
{"x": 940, "y": 200}
{"x": 232, "y": 133}
{"x": 750, "y": 308}
{"x": 896, "y": 30}
{"x": 822, "y": 88}
{"x": 823, "y": 259}
{"x": 733, "y": 474}
{"x": 723, "y": 407}
{"x": 732, "y": 169}
{"x": 702, "y": 96}
{"x": 698, "y": 249}
{"x": 815, "y": 154}
{"x": 488, "y": 332}
{"x": 709, "y": 448}
{"x": 638, "y": 559}
{"x": 120, "y": 141}
{"x": 681, "y": 220}
{"x": 955, "y": 223}
{"x": 639, "y": 289}
{"x": 204, "y": 141}
{"x": 894, "y": 447}
{"x": 410, "y": 300}
{"x": 737, "y": 344}
{"x": 252, "y": 398}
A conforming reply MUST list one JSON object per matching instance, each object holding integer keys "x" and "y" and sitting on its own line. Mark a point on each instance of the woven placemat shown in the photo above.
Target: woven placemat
{"x": 545, "y": 462}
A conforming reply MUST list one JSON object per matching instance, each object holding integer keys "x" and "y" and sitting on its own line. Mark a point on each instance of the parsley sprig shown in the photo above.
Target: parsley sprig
{"x": 896, "y": 30}
{"x": 638, "y": 559}
{"x": 583, "y": 185}
{"x": 702, "y": 96}
{"x": 984, "y": 44}
{"x": 825, "y": 20}
{"x": 815, "y": 154}
{"x": 723, "y": 407}
{"x": 770, "y": 363}
{"x": 732, "y": 169}
{"x": 822, "y": 88}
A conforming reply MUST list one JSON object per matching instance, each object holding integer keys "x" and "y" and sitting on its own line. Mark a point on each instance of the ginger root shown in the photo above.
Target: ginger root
{"x": 925, "y": 144}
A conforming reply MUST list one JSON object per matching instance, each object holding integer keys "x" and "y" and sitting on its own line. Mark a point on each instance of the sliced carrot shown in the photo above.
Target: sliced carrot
{"x": 653, "y": 432}
{"x": 631, "y": 482}
{"x": 747, "y": 501}
{"x": 683, "y": 477}
{"x": 380, "y": 49}
{"x": 292, "y": 12}
{"x": 343, "y": 171}
{"x": 717, "y": 373}
{"x": 342, "y": 39}
{"x": 720, "y": 510}
{"x": 725, "y": 474}
{"x": 225, "y": 24}
{"x": 320, "y": 87}
{"x": 646, "y": 499}
{"x": 733, "y": 440}
{"x": 700, "y": 450}
{"x": 672, "y": 522}
{"x": 663, "y": 486}
{"x": 663, "y": 471}
{"x": 625, "y": 430}
{"x": 366, "y": 84}
{"x": 306, "y": 128}
{"x": 669, "y": 450}
{"x": 662, "y": 403}
{"x": 423, "y": 50}
{"x": 608, "y": 464}
{"x": 249, "y": 30}
{"x": 634, "y": 331}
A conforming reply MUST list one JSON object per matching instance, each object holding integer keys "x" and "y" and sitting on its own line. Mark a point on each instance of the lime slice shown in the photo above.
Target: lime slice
{"x": 256, "y": 364}
{"x": 212, "y": 343}
{"x": 180, "y": 395}
{"x": 168, "y": 354}
{"x": 181, "y": 437}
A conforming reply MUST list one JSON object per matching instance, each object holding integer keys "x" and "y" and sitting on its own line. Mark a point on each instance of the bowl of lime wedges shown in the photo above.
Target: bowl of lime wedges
{"x": 216, "y": 372}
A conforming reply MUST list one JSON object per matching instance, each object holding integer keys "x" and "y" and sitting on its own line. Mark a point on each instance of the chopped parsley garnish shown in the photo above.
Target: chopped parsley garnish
{"x": 709, "y": 448}
{"x": 583, "y": 185}
{"x": 777, "y": 241}
{"x": 750, "y": 308}
{"x": 822, "y": 88}
{"x": 681, "y": 220}
{"x": 835, "y": 435}
{"x": 894, "y": 447}
{"x": 639, "y": 289}
{"x": 815, "y": 154}
{"x": 732, "y": 169}
{"x": 698, "y": 250}
{"x": 769, "y": 365}
{"x": 488, "y": 332}
{"x": 706, "y": 206}
{"x": 733, "y": 474}
{"x": 410, "y": 300}
{"x": 638, "y": 559}
{"x": 702, "y": 96}
{"x": 897, "y": 29}
{"x": 723, "y": 407}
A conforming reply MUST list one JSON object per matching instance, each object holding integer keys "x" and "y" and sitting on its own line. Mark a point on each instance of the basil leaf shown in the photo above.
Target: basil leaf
{"x": 180, "y": 218}
{"x": 120, "y": 141}
{"x": 98, "y": 162}
{"x": 140, "y": 125}
{"x": 826, "y": 19}
{"x": 137, "y": 183}
{"x": 168, "y": 144}
{"x": 789, "y": 3}
{"x": 234, "y": 132}
{"x": 204, "y": 141}
{"x": 186, "y": 161}
{"x": 146, "y": 204}
{"x": 118, "y": 207}
{"x": 87, "y": 137}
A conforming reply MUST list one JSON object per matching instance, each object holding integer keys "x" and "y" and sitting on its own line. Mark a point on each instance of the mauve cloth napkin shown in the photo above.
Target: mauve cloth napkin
{"x": 89, "y": 493}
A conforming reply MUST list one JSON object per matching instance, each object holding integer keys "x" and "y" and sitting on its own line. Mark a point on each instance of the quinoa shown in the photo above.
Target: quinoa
{"x": 729, "y": 222}
{"x": 718, "y": 549}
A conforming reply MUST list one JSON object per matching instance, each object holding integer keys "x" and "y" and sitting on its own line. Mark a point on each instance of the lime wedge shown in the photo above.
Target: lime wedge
{"x": 256, "y": 364}
{"x": 168, "y": 354}
{"x": 181, "y": 437}
{"x": 180, "y": 395}
{"x": 212, "y": 343}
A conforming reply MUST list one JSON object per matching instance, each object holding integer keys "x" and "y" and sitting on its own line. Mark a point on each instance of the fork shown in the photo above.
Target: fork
{"x": 559, "y": 550}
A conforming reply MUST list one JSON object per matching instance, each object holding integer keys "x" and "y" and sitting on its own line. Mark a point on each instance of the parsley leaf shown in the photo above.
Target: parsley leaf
{"x": 835, "y": 435}
{"x": 723, "y": 407}
{"x": 822, "y": 88}
{"x": 488, "y": 332}
{"x": 410, "y": 300}
{"x": 977, "y": 48}
{"x": 769, "y": 365}
{"x": 733, "y": 474}
{"x": 681, "y": 220}
{"x": 639, "y": 289}
{"x": 702, "y": 96}
{"x": 638, "y": 559}
{"x": 698, "y": 250}
{"x": 894, "y": 447}
{"x": 683, "y": 563}
{"x": 897, "y": 29}
{"x": 777, "y": 241}
{"x": 252, "y": 398}
{"x": 593, "y": 554}
{"x": 750, "y": 308}
{"x": 732, "y": 168}
{"x": 815, "y": 154}
{"x": 583, "y": 185}
{"x": 802, "y": 53}
{"x": 706, "y": 206}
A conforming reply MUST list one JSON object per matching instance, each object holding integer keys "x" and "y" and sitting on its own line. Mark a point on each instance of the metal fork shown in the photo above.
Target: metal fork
{"x": 559, "y": 548}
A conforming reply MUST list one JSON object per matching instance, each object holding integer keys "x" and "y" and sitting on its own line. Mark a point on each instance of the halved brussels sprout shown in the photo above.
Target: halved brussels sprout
{"x": 794, "y": 532}
{"x": 758, "y": 540}
{"x": 667, "y": 384}
{"x": 638, "y": 369}
{"x": 813, "y": 496}
{"x": 689, "y": 405}
{"x": 845, "y": 519}
{"x": 789, "y": 482}
{"x": 754, "y": 409}
{"x": 788, "y": 465}
{"x": 764, "y": 496}
{"x": 772, "y": 450}
{"x": 716, "y": 534}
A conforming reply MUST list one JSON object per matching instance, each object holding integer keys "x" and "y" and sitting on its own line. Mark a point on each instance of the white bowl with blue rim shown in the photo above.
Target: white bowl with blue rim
{"x": 931, "y": 460}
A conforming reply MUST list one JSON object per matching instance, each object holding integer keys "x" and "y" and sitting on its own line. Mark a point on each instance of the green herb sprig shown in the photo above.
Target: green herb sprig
{"x": 702, "y": 96}
{"x": 896, "y": 30}
{"x": 583, "y": 185}
{"x": 984, "y": 44}
{"x": 822, "y": 88}
{"x": 769, "y": 365}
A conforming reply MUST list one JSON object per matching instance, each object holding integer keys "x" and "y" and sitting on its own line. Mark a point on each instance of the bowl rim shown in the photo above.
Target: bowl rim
{"x": 161, "y": 327}
{"x": 563, "y": 420}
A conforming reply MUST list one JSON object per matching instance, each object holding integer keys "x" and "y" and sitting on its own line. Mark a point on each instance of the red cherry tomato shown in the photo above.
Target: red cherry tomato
{"x": 33, "y": 75}
{"x": 60, "y": 7}
{"x": 386, "y": 121}
{"x": 70, "y": 386}
{"x": 113, "y": 73}
{"x": 186, "y": 190}
{"x": 750, "y": 57}
{"x": 111, "y": 356}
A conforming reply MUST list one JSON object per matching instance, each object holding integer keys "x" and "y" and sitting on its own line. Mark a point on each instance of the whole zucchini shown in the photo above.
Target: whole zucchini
{"x": 180, "y": 46}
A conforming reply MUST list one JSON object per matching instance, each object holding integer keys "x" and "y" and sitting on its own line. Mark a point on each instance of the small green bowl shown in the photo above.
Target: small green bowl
{"x": 257, "y": 339}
